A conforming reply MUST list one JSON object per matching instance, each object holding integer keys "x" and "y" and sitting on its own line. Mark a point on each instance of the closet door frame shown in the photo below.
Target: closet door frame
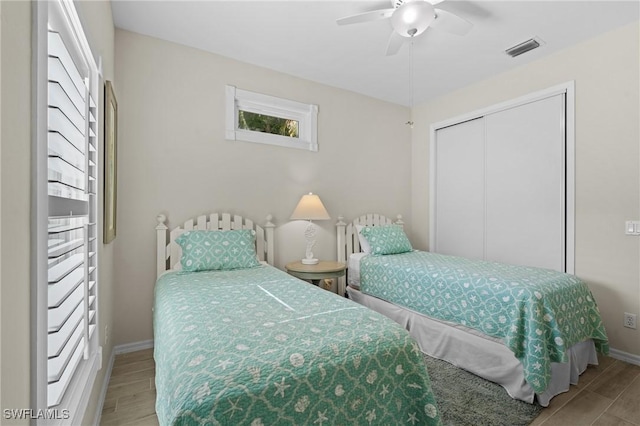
{"x": 568, "y": 89}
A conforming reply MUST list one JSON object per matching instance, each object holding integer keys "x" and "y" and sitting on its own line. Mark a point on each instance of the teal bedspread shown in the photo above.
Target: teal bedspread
{"x": 260, "y": 347}
{"x": 538, "y": 313}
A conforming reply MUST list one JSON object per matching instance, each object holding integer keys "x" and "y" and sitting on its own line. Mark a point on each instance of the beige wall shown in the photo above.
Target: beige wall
{"x": 15, "y": 191}
{"x": 606, "y": 73}
{"x": 0, "y": 201}
{"x": 173, "y": 158}
{"x": 15, "y": 181}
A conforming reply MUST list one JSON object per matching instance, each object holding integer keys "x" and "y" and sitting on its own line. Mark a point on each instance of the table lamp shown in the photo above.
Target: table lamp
{"x": 310, "y": 208}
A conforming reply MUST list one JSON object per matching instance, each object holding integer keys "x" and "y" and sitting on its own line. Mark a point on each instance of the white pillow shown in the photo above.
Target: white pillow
{"x": 364, "y": 244}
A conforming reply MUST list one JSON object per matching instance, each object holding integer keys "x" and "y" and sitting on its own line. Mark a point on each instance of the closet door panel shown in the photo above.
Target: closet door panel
{"x": 525, "y": 184}
{"x": 459, "y": 187}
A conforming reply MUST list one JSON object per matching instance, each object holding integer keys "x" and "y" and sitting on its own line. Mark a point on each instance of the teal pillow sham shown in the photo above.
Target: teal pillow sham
{"x": 218, "y": 250}
{"x": 386, "y": 239}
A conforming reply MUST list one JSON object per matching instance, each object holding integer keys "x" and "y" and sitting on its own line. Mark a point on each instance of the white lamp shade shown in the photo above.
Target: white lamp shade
{"x": 413, "y": 18}
{"x": 310, "y": 207}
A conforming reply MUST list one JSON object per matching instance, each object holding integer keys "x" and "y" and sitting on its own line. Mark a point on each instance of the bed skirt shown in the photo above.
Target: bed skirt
{"x": 480, "y": 354}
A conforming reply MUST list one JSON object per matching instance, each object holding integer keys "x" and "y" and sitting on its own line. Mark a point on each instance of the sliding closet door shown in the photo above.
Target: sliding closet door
{"x": 525, "y": 184}
{"x": 499, "y": 186}
{"x": 459, "y": 187}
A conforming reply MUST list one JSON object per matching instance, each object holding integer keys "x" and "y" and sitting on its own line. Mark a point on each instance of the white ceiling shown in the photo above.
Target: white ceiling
{"x": 301, "y": 38}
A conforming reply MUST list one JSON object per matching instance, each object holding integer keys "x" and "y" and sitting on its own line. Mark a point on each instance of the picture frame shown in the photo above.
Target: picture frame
{"x": 110, "y": 162}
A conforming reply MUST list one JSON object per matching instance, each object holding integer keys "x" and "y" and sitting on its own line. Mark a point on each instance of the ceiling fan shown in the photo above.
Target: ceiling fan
{"x": 410, "y": 18}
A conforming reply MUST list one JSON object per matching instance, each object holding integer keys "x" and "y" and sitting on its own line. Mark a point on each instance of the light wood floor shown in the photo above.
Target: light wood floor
{"x": 607, "y": 395}
{"x": 131, "y": 395}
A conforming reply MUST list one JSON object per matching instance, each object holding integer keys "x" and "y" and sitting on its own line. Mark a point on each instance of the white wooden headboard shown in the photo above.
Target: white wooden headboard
{"x": 169, "y": 253}
{"x": 347, "y": 237}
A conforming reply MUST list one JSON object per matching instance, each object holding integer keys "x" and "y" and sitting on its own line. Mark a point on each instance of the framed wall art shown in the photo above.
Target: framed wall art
{"x": 110, "y": 162}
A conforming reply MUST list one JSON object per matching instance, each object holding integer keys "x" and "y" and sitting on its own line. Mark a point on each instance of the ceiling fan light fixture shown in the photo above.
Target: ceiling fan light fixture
{"x": 409, "y": 16}
{"x": 412, "y": 18}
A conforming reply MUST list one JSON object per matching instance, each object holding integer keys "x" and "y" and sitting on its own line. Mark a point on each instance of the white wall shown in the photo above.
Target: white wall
{"x": 173, "y": 158}
{"x": 606, "y": 73}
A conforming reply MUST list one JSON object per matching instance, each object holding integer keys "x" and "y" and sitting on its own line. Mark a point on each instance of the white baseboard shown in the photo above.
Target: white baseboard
{"x": 105, "y": 386}
{"x": 624, "y": 356}
{"x": 132, "y": 347}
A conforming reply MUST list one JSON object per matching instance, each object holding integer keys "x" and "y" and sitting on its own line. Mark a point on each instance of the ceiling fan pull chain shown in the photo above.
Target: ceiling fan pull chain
{"x": 410, "y": 122}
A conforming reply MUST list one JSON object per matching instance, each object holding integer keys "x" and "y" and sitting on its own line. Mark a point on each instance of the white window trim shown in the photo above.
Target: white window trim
{"x": 305, "y": 114}
{"x": 76, "y": 399}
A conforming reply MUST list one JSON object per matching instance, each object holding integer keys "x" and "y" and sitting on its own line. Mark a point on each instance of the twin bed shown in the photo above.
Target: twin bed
{"x": 238, "y": 341}
{"x": 531, "y": 330}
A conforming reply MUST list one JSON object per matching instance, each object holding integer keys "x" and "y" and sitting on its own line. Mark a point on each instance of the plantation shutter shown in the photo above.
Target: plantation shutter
{"x": 72, "y": 206}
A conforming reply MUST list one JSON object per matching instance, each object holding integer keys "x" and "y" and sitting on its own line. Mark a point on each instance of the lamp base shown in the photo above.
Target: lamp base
{"x": 309, "y": 261}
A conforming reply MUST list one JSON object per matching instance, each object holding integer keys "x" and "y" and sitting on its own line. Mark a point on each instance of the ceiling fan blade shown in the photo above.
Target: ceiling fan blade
{"x": 374, "y": 15}
{"x": 394, "y": 44}
{"x": 447, "y": 21}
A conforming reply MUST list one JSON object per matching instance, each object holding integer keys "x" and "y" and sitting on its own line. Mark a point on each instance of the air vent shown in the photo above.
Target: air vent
{"x": 522, "y": 48}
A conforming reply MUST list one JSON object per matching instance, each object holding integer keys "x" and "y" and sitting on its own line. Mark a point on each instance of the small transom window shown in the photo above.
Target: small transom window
{"x": 254, "y": 117}
{"x": 267, "y": 124}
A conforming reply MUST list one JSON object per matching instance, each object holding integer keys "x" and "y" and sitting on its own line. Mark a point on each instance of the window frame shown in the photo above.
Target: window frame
{"x": 62, "y": 14}
{"x": 243, "y": 100}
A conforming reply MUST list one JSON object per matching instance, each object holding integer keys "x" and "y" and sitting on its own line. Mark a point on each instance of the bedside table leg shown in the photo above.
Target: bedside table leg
{"x": 327, "y": 283}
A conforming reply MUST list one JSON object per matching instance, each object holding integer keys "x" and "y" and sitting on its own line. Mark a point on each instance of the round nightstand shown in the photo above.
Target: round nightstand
{"x": 315, "y": 273}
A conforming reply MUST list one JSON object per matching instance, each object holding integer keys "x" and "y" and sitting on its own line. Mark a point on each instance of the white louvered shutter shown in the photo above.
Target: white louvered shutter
{"x": 72, "y": 204}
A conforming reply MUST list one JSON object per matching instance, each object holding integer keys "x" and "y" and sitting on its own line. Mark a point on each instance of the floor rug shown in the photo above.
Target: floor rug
{"x": 466, "y": 399}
